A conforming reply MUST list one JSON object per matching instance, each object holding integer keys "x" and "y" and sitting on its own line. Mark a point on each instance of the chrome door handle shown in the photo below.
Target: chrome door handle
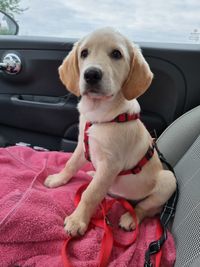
{"x": 11, "y": 64}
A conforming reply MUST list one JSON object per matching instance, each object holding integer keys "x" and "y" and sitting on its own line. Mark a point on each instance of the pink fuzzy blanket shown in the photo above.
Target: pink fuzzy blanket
{"x": 31, "y": 217}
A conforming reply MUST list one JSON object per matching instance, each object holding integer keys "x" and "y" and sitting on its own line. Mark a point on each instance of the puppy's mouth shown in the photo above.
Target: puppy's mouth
{"x": 97, "y": 96}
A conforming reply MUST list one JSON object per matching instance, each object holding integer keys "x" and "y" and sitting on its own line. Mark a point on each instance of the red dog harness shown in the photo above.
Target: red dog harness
{"x": 124, "y": 117}
{"x": 102, "y": 221}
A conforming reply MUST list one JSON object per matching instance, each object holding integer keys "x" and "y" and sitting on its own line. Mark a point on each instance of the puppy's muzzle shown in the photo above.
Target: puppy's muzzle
{"x": 93, "y": 75}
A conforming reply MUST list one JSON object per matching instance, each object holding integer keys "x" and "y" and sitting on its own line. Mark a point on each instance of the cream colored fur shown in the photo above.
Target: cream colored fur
{"x": 113, "y": 146}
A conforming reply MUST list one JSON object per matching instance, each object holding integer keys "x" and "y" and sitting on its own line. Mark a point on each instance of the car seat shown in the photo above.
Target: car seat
{"x": 180, "y": 144}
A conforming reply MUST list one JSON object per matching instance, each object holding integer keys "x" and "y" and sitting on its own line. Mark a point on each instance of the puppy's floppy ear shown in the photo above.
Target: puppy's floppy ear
{"x": 139, "y": 77}
{"x": 69, "y": 71}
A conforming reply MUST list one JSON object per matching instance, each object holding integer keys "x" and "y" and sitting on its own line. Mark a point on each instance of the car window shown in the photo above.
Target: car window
{"x": 175, "y": 21}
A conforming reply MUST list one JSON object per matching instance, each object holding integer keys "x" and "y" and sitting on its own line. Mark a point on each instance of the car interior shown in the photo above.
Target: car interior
{"x": 36, "y": 110}
{"x": 35, "y": 99}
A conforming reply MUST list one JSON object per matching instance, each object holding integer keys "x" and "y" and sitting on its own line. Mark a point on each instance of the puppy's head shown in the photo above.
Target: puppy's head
{"x": 102, "y": 64}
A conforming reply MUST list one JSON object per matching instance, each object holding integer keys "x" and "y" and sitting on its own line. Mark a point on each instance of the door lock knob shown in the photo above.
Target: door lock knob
{"x": 11, "y": 64}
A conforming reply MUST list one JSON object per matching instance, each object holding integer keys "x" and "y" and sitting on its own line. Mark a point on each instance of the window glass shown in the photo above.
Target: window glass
{"x": 173, "y": 21}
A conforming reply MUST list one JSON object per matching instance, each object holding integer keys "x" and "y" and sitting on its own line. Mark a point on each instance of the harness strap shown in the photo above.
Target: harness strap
{"x": 166, "y": 215}
{"x": 124, "y": 117}
{"x": 138, "y": 167}
{"x": 121, "y": 118}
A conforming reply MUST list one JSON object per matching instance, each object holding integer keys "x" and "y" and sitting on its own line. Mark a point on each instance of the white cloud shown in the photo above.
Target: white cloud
{"x": 142, "y": 20}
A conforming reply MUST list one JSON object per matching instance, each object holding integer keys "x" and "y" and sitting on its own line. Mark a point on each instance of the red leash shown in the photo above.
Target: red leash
{"x": 102, "y": 222}
{"x": 108, "y": 239}
{"x": 158, "y": 255}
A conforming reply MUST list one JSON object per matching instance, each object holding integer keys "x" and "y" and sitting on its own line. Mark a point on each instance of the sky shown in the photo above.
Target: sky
{"x": 175, "y": 21}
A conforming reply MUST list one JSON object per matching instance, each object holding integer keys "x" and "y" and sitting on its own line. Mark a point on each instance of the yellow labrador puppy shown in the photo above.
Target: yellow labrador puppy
{"x": 109, "y": 73}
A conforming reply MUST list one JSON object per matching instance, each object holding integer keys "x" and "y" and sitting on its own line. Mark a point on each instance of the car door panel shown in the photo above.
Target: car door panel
{"x": 35, "y": 102}
{"x": 41, "y": 117}
{"x": 36, "y": 108}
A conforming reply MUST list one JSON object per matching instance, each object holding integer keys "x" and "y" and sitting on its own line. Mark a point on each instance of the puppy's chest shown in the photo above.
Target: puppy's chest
{"x": 110, "y": 142}
{"x": 98, "y": 143}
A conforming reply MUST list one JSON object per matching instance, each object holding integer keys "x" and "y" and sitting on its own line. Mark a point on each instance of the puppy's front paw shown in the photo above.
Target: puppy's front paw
{"x": 127, "y": 222}
{"x": 75, "y": 225}
{"x": 55, "y": 180}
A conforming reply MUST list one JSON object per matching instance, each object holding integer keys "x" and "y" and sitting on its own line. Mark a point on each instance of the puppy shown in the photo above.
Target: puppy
{"x": 109, "y": 73}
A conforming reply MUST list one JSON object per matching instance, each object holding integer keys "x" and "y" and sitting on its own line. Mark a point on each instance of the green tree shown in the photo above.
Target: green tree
{"x": 11, "y": 7}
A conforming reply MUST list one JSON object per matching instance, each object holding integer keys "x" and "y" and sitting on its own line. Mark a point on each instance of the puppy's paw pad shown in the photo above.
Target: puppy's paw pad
{"x": 126, "y": 222}
{"x": 74, "y": 226}
{"x": 54, "y": 180}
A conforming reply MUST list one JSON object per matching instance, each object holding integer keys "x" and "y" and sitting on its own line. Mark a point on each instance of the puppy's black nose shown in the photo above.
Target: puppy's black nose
{"x": 93, "y": 75}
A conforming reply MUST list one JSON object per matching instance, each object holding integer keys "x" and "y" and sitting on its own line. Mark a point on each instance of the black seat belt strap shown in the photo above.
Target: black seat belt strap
{"x": 166, "y": 215}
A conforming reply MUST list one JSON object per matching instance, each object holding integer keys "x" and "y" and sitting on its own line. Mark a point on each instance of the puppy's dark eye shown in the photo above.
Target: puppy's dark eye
{"x": 116, "y": 54}
{"x": 84, "y": 53}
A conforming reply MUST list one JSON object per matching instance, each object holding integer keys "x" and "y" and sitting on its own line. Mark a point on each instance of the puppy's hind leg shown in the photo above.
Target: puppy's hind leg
{"x": 151, "y": 205}
{"x": 76, "y": 161}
